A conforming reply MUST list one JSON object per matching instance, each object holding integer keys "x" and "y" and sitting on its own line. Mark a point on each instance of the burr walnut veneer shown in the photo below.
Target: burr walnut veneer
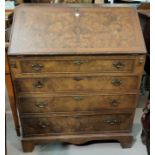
{"x": 76, "y": 72}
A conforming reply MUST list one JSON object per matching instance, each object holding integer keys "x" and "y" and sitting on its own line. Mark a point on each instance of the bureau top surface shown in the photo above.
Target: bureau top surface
{"x": 75, "y": 29}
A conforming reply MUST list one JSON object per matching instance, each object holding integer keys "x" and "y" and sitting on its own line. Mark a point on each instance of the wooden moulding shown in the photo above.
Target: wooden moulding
{"x": 125, "y": 139}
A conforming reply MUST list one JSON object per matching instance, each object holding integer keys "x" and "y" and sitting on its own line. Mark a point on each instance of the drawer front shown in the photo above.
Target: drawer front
{"x": 77, "y": 83}
{"x": 75, "y": 103}
{"x": 77, "y": 64}
{"x": 76, "y": 124}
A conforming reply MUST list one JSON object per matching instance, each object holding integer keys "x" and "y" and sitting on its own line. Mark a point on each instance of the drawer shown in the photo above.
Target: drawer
{"x": 74, "y": 124}
{"x": 73, "y": 103}
{"x": 77, "y": 83}
{"x": 77, "y": 64}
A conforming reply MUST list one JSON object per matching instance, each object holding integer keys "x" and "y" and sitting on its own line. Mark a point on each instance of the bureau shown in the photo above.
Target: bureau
{"x": 76, "y": 71}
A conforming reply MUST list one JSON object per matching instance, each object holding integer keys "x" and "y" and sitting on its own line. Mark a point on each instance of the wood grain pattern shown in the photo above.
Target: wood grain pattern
{"x": 107, "y": 64}
{"x": 85, "y": 30}
{"x": 76, "y": 103}
{"x": 76, "y": 124}
{"x": 77, "y": 83}
{"x": 79, "y": 64}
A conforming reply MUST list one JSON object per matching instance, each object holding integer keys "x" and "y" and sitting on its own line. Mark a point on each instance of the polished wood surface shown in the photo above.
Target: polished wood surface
{"x": 81, "y": 92}
{"x": 76, "y": 124}
{"x": 44, "y": 65}
{"x": 86, "y": 30}
{"x": 77, "y": 83}
{"x": 76, "y": 103}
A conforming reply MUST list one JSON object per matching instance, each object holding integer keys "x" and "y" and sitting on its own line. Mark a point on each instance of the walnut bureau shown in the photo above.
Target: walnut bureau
{"x": 76, "y": 71}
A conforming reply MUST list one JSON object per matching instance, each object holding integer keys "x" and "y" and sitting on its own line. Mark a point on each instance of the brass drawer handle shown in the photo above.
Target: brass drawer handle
{"x": 78, "y": 62}
{"x": 77, "y": 78}
{"x": 114, "y": 103}
{"x": 112, "y": 121}
{"x": 37, "y": 67}
{"x": 41, "y": 105}
{"x": 116, "y": 82}
{"x": 39, "y": 84}
{"x": 43, "y": 124}
{"x": 118, "y": 65}
{"x": 78, "y": 98}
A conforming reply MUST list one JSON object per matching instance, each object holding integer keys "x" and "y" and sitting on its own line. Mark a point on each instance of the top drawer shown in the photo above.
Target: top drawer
{"x": 78, "y": 64}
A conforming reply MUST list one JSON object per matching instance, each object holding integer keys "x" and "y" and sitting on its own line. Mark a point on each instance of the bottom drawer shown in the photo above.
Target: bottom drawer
{"x": 74, "y": 124}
